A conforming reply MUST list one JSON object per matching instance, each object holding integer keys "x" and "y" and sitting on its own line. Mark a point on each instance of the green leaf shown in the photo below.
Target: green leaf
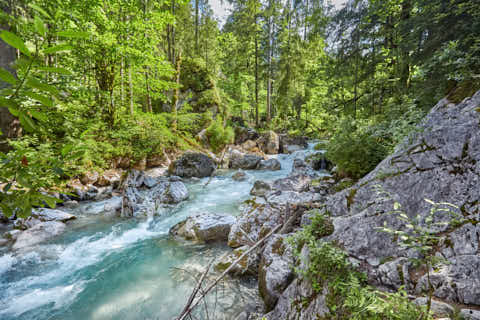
{"x": 73, "y": 34}
{"x": 14, "y": 111}
{"x": 38, "y": 97}
{"x": 7, "y": 103}
{"x": 35, "y": 83}
{"x": 40, "y": 26}
{"x": 40, "y": 116}
{"x": 66, "y": 149}
{"x": 40, "y": 10}
{"x": 7, "y": 77}
{"x": 14, "y": 41}
{"x": 27, "y": 122}
{"x": 59, "y": 48}
{"x": 397, "y": 206}
{"x": 56, "y": 70}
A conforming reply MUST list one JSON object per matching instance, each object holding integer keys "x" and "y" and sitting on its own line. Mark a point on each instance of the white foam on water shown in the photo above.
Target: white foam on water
{"x": 59, "y": 296}
{"x": 22, "y": 296}
{"x": 6, "y": 262}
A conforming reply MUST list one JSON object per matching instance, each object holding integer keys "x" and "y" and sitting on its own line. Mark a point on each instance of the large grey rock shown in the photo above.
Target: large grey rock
{"x": 171, "y": 193}
{"x": 191, "y": 165}
{"x": 438, "y": 162}
{"x": 275, "y": 270}
{"x": 43, "y": 215}
{"x": 290, "y": 144}
{"x": 270, "y": 164}
{"x": 204, "y": 227}
{"x": 470, "y": 314}
{"x": 140, "y": 201}
{"x": 245, "y": 162}
{"x": 438, "y": 308}
{"x": 39, "y": 233}
{"x": 108, "y": 207}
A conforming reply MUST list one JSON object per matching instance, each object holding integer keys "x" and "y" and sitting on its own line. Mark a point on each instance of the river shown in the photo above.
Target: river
{"x": 127, "y": 269}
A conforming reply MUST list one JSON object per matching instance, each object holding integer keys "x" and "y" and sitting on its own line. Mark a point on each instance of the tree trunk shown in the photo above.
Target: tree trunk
{"x": 9, "y": 125}
{"x": 148, "y": 98}
{"x": 269, "y": 72}
{"x": 257, "y": 119}
{"x": 196, "y": 25}
{"x": 130, "y": 89}
{"x": 177, "y": 94}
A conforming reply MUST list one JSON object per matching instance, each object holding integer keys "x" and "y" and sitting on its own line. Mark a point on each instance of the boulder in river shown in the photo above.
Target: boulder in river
{"x": 270, "y": 164}
{"x": 239, "y": 176}
{"x": 204, "y": 227}
{"x": 43, "y": 215}
{"x": 290, "y": 144}
{"x": 39, "y": 233}
{"x": 245, "y": 161}
{"x": 269, "y": 142}
{"x": 192, "y": 164}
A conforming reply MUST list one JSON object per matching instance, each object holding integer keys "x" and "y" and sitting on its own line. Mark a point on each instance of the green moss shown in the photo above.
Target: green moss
{"x": 463, "y": 90}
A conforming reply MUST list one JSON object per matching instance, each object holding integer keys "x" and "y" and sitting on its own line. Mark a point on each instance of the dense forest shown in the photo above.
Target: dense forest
{"x": 88, "y": 83}
{"x": 95, "y": 92}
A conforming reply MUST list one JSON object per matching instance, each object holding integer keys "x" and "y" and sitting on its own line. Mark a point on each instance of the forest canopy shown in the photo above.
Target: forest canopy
{"x": 94, "y": 83}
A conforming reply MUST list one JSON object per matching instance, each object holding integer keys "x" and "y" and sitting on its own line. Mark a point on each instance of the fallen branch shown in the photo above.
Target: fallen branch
{"x": 192, "y": 304}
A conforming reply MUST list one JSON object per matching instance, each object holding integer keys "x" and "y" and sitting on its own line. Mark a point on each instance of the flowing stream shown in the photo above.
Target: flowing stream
{"x": 112, "y": 268}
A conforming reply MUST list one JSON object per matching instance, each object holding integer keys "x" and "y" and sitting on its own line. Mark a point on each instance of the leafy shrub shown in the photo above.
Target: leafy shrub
{"x": 355, "y": 149}
{"x": 348, "y": 296}
{"x": 219, "y": 136}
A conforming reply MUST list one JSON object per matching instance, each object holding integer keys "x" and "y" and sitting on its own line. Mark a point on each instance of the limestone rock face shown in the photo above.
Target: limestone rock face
{"x": 440, "y": 162}
{"x": 192, "y": 164}
{"x": 204, "y": 227}
{"x": 275, "y": 270}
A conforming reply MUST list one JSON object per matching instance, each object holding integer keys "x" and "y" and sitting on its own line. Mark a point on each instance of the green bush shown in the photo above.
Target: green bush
{"x": 355, "y": 149}
{"x": 348, "y": 295}
{"x": 219, "y": 136}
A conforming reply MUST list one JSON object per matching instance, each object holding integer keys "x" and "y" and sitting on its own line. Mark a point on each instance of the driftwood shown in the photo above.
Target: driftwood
{"x": 194, "y": 302}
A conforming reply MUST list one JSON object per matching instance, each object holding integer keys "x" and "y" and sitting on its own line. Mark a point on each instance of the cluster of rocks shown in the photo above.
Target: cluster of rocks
{"x": 269, "y": 142}
{"x": 438, "y": 162}
{"x": 281, "y": 202}
{"x": 144, "y": 194}
{"x": 42, "y": 225}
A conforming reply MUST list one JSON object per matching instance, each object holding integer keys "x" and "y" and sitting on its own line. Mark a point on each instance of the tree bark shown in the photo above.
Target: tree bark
{"x": 257, "y": 119}
{"x": 9, "y": 125}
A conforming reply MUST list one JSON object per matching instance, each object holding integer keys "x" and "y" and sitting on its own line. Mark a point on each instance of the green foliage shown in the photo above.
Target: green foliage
{"x": 354, "y": 149}
{"x": 219, "y": 136}
{"x": 421, "y": 233}
{"x": 347, "y": 296}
